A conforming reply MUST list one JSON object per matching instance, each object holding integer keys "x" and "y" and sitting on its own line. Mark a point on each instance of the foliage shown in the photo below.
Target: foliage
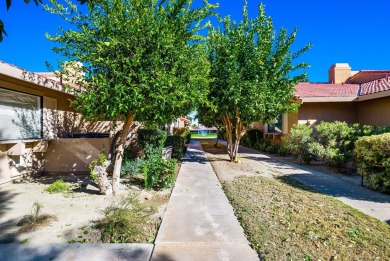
{"x": 251, "y": 73}
{"x": 251, "y": 138}
{"x": 101, "y": 160}
{"x": 132, "y": 167}
{"x": 338, "y": 139}
{"x": 58, "y": 186}
{"x": 126, "y": 222}
{"x": 178, "y": 146}
{"x": 373, "y": 160}
{"x": 153, "y": 138}
{"x": 34, "y": 220}
{"x": 298, "y": 142}
{"x": 159, "y": 173}
{"x": 144, "y": 60}
{"x": 183, "y": 132}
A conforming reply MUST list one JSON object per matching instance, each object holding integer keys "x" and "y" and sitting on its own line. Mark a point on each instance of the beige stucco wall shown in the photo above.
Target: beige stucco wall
{"x": 19, "y": 158}
{"x": 315, "y": 112}
{"x": 75, "y": 155}
{"x": 374, "y": 112}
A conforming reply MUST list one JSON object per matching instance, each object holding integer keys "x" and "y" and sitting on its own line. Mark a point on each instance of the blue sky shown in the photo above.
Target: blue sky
{"x": 356, "y": 32}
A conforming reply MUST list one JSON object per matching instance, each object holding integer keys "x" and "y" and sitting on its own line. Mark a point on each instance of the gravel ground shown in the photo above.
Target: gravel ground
{"x": 75, "y": 211}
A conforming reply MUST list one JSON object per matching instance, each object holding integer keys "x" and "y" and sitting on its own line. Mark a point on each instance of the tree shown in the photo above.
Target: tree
{"x": 251, "y": 68}
{"x": 143, "y": 61}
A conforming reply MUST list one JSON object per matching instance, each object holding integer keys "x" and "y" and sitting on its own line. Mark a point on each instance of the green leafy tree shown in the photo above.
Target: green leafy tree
{"x": 251, "y": 73}
{"x": 143, "y": 61}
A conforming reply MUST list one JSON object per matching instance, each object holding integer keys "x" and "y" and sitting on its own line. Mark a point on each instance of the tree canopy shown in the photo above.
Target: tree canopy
{"x": 143, "y": 60}
{"x": 251, "y": 73}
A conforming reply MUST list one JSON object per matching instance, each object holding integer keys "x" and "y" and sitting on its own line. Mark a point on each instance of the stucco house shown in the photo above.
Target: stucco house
{"x": 351, "y": 96}
{"x": 38, "y": 128}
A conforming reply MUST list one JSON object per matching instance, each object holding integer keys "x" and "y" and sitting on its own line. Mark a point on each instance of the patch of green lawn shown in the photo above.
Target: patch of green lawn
{"x": 207, "y": 136}
{"x": 284, "y": 220}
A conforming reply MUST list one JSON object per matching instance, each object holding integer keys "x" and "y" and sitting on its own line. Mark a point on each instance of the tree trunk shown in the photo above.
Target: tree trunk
{"x": 232, "y": 146}
{"x": 216, "y": 144}
{"x": 119, "y": 153}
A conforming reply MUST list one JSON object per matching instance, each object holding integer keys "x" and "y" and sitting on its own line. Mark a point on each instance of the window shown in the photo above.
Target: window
{"x": 20, "y": 116}
{"x": 277, "y": 126}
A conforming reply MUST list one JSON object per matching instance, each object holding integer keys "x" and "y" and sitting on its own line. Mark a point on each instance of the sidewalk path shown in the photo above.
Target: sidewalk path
{"x": 367, "y": 201}
{"x": 199, "y": 223}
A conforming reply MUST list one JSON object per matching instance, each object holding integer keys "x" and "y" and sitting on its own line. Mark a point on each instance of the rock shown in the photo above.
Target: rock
{"x": 102, "y": 180}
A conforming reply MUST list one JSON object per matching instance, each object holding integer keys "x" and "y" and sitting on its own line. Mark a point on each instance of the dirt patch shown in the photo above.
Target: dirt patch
{"x": 75, "y": 211}
{"x": 227, "y": 170}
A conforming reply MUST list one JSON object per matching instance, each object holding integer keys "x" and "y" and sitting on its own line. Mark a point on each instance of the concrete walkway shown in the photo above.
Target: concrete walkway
{"x": 367, "y": 201}
{"x": 199, "y": 223}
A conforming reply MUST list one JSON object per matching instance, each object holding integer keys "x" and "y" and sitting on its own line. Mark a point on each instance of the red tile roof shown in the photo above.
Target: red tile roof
{"x": 310, "y": 90}
{"x": 375, "y": 86}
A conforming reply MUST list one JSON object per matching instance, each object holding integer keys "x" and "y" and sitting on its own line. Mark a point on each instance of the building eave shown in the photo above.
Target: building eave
{"x": 30, "y": 77}
{"x": 328, "y": 99}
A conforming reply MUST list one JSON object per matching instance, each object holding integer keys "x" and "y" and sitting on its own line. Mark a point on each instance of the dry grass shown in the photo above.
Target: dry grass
{"x": 285, "y": 221}
{"x": 35, "y": 220}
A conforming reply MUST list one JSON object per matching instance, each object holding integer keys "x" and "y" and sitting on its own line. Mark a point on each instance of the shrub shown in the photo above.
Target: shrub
{"x": 262, "y": 144}
{"x": 373, "y": 161}
{"x": 35, "y": 220}
{"x": 298, "y": 142}
{"x": 183, "y": 132}
{"x": 251, "y": 137}
{"x": 339, "y": 139}
{"x": 127, "y": 222}
{"x": 154, "y": 138}
{"x": 159, "y": 173}
{"x": 178, "y": 146}
{"x": 131, "y": 167}
{"x": 58, "y": 186}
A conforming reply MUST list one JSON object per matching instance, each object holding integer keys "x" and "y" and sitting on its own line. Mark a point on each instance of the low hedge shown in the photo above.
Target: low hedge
{"x": 178, "y": 144}
{"x": 251, "y": 138}
{"x": 373, "y": 161}
{"x": 183, "y": 132}
{"x": 153, "y": 138}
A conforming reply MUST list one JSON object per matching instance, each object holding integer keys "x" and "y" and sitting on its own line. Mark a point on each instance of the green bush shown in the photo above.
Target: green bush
{"x": 298, "y": 142}
{"x": 159, "y": 173}
{"x": 58, "y": 186}
{"x": 251, "y": 137}
{"x": 127, "y": 222}
{"x": 373, "y": 160}
{"x": 154, "y": 138}
{"x": 338, "y": 138}
{"x": 178, "y": 146}
{"x": 131, "y": 167}
{"x": 183, "y": 132}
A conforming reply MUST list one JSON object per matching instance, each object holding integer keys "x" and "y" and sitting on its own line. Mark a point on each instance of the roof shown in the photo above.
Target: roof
{"x": 375, "y": 86}
{"x": 38, "y": 79}
{"x": 311, "y": 90}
